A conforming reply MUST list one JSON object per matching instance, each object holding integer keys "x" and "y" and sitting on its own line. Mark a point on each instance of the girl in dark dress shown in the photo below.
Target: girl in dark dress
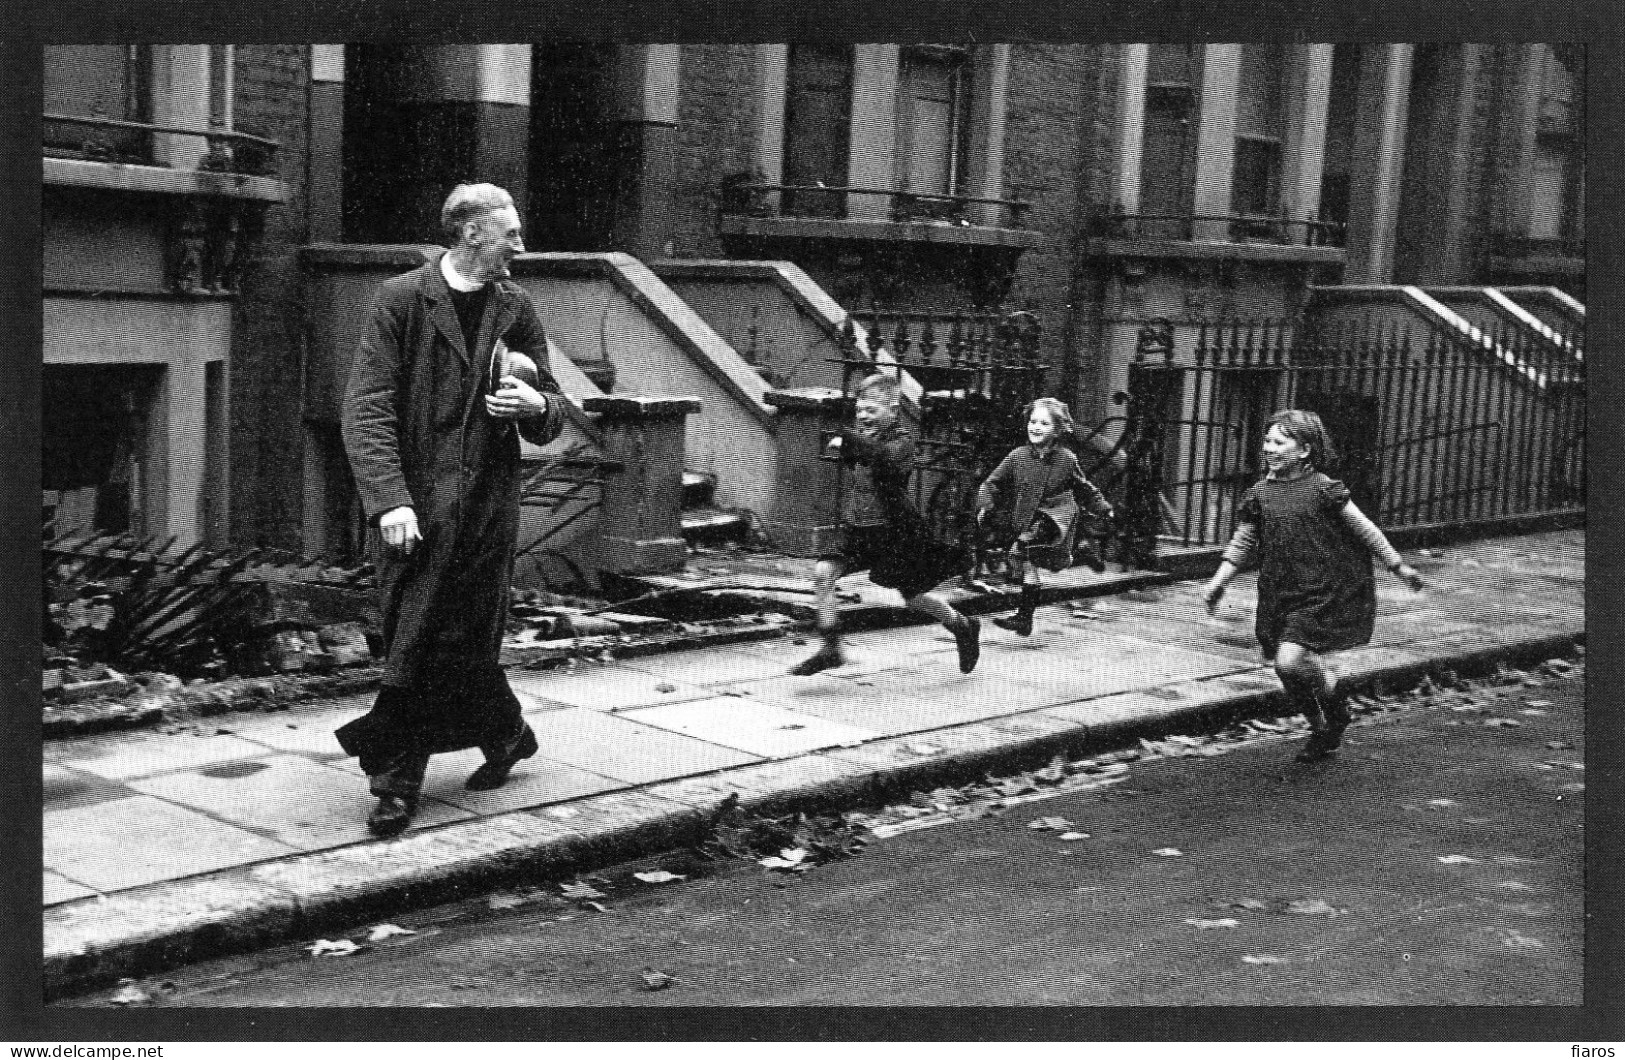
{"x": 1315, "y": 589}
{"x": 1046, "y": 491}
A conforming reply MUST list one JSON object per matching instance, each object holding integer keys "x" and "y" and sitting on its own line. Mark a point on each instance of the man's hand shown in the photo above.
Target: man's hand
{"x": 517, "y": 400}
{"x": 1212, "y": 594}
{"x": 400, "y": 529}
{"x": 1410, "y": 576}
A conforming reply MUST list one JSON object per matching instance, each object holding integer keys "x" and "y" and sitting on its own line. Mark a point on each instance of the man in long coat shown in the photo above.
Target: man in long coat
{"x": 451, "y": 368}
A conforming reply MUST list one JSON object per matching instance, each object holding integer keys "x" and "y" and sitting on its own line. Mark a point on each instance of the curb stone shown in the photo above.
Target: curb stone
{"x": 91, "y": 942}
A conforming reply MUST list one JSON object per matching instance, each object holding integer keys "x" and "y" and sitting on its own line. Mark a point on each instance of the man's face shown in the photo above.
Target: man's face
{"x": 874, "y": 416}
{"x": 493, "y": 240}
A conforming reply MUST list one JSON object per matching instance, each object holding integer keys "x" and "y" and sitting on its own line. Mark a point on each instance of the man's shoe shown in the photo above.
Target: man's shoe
{"x": 494, "y": 772}
{"x": 391, "y": 816}
{"x": 967, "y": 640}
{"x": 823, "y": 659}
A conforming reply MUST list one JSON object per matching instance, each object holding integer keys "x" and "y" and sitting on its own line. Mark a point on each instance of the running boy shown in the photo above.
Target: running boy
{"x": 883, "y": 533}
{"x": 1049, "y": 489}
{"x": 1315, "y": 590}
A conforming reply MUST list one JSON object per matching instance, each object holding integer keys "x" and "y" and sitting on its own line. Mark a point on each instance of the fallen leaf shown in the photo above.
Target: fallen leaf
{"x": 1443, "y": 802}
{"x": 595, "y": 905}
{"x": 1521, "y": 941}
{"x": 1053, "y": 773}
{"x": 924, "y": 750}
{"x": 505, "y": 901}
{"x": 130, "y": 994}
{"x": 1262, "y": 958}
{"x": 332, "y": 948}
{"x": 1312, "y": 907}
{"x": 1050, "y": 824}
{"x": 1532, "y": 712}
{"x": 653, "y": 980}
{"x": 1242, "y": 903}
{"x": 387, "y": 931}
{"x": 1069, "y": 837}
{"x": 1539, "y": 703}
{"x": 665, "y": 686}
{"x": 563, "y": 813}
{"x": 1502, "y": 723}
{"x": 580, "y": 890}
{"x": 1457, "y": 859}
{"x": 658, "y": 876}
{"x": 1169, "y": 852}
{"x": 1576, "y": 786}
{"x": 1559, "y": 745}
{"x": 1209, "y": 925}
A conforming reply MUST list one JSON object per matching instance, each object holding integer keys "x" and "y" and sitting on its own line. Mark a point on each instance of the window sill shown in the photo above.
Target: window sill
{"x": 1282, "y": 253}
{"x": 877, "y": 231}
{"x": 116, "y": 176}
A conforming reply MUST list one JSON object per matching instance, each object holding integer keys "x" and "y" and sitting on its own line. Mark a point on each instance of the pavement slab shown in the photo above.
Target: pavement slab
{"x": 603, "y": 686}
{"x": 129, "y": 842}
{"x": 757, "y": 728}
{"x": 58, "y": 888}
{"x": 288, "y": 798}
{"x": 67, "y": 788}
{"x": 150, "y": 753}
{"x": 625, "y": 750}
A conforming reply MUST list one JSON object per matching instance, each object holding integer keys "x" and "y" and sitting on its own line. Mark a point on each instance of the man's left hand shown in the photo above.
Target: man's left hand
{"x": 517, "y": 400}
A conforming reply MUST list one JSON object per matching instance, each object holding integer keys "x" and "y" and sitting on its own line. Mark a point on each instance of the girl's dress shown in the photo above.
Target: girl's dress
{"x": 1315, "y": 585}
{"x": 1049, "y": 490}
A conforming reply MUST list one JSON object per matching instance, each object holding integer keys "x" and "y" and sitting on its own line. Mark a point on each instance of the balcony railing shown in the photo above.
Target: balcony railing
{"x": 1184, "y": 227}
{"x": 817, "y": 200}
{"x": 229, "y": 151}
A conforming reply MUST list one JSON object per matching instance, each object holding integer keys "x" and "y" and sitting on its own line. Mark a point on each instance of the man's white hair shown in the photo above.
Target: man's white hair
{"x": 466, "y": 203}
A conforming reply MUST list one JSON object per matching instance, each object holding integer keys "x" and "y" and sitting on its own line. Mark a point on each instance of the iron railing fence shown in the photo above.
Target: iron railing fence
{"x": 760, "y": 199}
{"x": 1437, "y": 426}
{"x": 1237, "y": 227}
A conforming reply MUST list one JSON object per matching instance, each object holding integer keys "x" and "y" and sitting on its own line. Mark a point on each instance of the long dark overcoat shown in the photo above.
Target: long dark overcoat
{"x": 417, "y": 433}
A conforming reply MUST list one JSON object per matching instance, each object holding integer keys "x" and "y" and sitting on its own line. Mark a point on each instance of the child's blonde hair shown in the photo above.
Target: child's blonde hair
{"x": 1059, "y": 414}
{"x": 1307, "y": 430}
{"x": 879, "y": 387}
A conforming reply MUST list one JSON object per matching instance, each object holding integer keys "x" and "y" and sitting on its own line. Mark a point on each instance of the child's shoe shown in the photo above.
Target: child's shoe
{"x": 1319, "y": 745}
{"x": 826, "y": 657}
{"x": 1021, "y": 623}
{"x": 967, "y": 639}
{"x": 1336, "y": 708}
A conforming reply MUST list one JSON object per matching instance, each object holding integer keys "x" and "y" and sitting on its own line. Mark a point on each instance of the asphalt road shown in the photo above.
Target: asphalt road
{"x": 1437, "y": 861}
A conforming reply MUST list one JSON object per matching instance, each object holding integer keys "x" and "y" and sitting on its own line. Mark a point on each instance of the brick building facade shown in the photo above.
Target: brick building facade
{"x": 1095, "y": 185}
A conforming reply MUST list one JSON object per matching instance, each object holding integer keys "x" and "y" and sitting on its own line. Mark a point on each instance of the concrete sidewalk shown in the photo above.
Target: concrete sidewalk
{"x": 163, "y": 848}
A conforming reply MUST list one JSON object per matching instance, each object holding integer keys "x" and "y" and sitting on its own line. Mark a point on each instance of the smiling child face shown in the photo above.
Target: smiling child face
{"x": 1282, "y": 453}
{"x": 1040, "y": 427}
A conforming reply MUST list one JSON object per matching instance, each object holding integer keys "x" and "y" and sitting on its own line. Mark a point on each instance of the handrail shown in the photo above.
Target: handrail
{"x": 211, "y": 133}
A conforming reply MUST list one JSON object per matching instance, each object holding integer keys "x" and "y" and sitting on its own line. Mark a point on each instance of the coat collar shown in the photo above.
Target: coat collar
{"x": 499, "y": 310}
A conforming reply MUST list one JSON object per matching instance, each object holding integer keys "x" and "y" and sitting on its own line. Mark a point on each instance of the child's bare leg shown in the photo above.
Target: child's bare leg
{"x": 964, "y": 629}
{"x": 828, "y": 653}
{"x": 1021, "y": 623}
{"x": 1310, "y": 687}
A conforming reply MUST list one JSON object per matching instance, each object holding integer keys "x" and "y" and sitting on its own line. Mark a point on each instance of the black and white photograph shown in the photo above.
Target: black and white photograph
{"x": 577, "y": 524}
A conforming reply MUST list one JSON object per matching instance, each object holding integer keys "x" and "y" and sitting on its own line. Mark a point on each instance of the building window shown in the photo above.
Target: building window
{"x": 1341, "y": 113}
{"x": 1255, "y": 185}
{"x": 817, "y": 128}
{"x": 1556, "y": 189}
{"x": 934, "y": 120}
{"x": 1168, "y": 157}
{"x": 222, "y": 81}
{"x": 106, "y": 81}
